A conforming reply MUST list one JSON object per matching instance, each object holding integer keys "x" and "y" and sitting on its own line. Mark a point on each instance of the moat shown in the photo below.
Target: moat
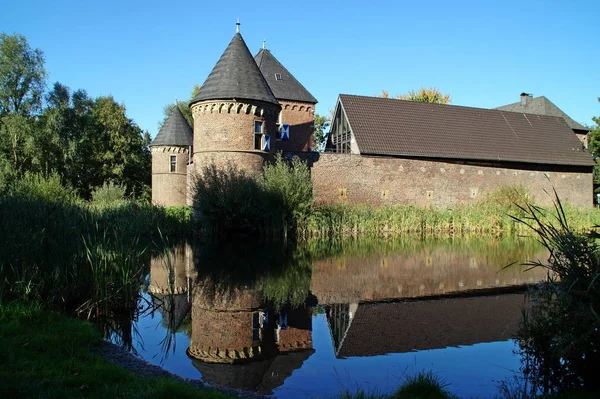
{"x": 314, "y": 320}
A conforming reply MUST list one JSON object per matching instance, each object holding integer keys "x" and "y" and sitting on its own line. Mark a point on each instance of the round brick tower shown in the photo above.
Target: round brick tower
{"x": 235, "y": 113}
{"x": 171, "y": 150}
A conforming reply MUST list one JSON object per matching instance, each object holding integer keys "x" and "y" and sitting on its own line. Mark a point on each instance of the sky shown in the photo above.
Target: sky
{"x": 148, "y": 53}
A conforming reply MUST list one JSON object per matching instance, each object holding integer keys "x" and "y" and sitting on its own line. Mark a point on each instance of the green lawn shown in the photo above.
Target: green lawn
{"x": 46, "y": 354}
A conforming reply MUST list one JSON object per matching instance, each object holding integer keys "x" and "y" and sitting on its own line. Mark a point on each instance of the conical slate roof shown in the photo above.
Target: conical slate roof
{"x": 175, "y": 131}
{"x": 236, "y": 76}
{"x": 283, "y": 84}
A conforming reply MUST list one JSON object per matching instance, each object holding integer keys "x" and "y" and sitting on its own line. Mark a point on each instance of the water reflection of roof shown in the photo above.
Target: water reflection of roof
{"x": 377, "y": 329}
{"x": 173, "y": 308}
{"x": 260, "y": 376}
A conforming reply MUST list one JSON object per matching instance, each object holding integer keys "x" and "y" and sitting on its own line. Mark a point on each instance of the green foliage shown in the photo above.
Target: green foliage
{"x": 423, "y": 385}
{"x": 228, "y": 201}
{"x": 22, "y": 76}
{"x": 431, "y": 95}
{"x": 560, "y": 336}
{"x": 51, "y": 355}
{"x": 184, "y": 107}
{"x": 35, "y": 187}
{"x": 108, "y": 193}
{"x": 321, "y": 123}
{"x": 63, "y": 251}
{"x": 289, "y": 188}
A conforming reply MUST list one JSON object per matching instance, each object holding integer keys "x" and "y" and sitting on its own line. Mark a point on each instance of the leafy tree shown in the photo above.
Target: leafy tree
{"x": 22, "y": 76}
{"x": 184, "y": 107}
{"x": 321, "y": 124}
{"x": 594, "y": 146}
{"x": 431, "y": 95}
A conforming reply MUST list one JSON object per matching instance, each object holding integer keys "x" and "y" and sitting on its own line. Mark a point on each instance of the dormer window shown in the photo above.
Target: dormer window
{"x": 278, "y": 76}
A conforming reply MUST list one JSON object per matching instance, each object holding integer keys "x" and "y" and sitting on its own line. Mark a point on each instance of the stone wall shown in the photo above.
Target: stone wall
{"x": 301, "y": 118}
{"x": 169, "y": 188}
{"x": 357, "y": 179}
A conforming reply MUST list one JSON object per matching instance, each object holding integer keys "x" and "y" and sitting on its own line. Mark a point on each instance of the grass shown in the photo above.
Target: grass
{"x": 423, "y": 385}
{"x": 46, "y": 354}
{"x": 483, "y": 218}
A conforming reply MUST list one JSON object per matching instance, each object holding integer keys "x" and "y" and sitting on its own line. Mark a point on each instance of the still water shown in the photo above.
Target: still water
{"x": 315, "y": 320}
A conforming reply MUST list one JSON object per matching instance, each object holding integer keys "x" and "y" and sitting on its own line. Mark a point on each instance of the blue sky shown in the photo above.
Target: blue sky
{"x": 147, "y": 53}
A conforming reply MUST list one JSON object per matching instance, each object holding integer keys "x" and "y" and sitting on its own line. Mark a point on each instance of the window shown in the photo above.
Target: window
{"x": 258, "y": 130}
{"x": 173, "y": 163}
{"x": 278, "y": 76}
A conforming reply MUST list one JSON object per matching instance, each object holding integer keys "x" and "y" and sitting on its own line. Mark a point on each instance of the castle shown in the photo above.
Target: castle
{"x": 379, "y": 151}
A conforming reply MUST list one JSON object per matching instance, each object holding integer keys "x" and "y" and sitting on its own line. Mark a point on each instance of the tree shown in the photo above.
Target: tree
{"x": 431, "y": 95}
{"x": 22, "y": 76}
{"x": 184, "y": 107}
{"x": 321, "y": 124}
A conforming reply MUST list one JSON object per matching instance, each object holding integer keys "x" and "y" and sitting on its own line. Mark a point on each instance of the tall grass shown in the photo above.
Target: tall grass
{"x": 483, "y": 218}
{"x": 62, "y": 251}
{"x": 560, "y": 336}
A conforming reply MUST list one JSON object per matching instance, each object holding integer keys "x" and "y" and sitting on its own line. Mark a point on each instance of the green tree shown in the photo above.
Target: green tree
{"x": 431, "y": 95}
{"x": 22, "y": 76}
{"x": 123, "y": 148}
{"x": 184, "y": 107}
{"x": 321, "y": 124}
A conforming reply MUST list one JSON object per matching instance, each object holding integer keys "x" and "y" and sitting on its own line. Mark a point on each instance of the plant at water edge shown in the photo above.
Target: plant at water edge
{"x": 560, "y": 335}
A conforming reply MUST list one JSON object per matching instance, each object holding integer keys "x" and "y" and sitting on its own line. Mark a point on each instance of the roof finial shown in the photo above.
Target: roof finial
{"x": 264, "y": 44}
{"x": 237, "y": 26}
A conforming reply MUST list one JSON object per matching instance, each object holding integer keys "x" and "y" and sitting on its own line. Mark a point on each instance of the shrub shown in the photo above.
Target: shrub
{"x": 108, "y": 193}
{"x": 289, "y": 186}
{"x": 38, "y": 187}
{"x": 227, "y": 200}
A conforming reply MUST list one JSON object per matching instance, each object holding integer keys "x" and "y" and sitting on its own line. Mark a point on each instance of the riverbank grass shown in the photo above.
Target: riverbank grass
{"x": 47, "y": 354}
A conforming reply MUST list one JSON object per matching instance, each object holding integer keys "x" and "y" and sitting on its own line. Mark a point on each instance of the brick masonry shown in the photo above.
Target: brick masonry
{"x": 224, "y": 132}
{"x": 356, "y": 179}
{"x": 301, "y": 118}
{"x": 169, "y": 188}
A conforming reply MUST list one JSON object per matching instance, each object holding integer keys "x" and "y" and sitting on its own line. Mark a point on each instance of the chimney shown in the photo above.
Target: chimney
{"x": 525, "y": 98}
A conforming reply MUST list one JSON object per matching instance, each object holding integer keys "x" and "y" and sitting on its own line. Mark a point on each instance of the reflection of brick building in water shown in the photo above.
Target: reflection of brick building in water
{"x": 171, "y": 276}
{"x": 238, "y": 342}
{"x": 379, "y": 328}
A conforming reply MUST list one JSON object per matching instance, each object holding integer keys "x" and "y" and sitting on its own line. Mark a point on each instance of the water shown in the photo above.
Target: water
{"x": 319, "y": 319}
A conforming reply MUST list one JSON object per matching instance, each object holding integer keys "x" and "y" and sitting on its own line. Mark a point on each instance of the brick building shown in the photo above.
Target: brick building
{"x": 380, "y": 151}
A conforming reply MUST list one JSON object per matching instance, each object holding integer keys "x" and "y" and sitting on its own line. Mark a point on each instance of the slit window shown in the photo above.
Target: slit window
{"x": 258, "y": 130}
{"x": 173, "y": 163}
{"x": 278, "y": 76}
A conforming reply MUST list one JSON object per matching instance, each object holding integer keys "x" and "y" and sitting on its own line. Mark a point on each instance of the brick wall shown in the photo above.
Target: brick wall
{"x": 225, "y": 130}
{"x": 380, "y": 181}
{"x": 301, "y": 118}
{"x": 169, "y": 188}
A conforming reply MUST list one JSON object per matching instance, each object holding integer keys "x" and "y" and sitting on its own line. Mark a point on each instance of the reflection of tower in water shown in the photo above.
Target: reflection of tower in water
{"x": 171, "y": 276}
{"x": 239, "y": 342}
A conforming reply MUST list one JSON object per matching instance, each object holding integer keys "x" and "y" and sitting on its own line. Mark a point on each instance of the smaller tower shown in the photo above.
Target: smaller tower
{"x": 171, "y": 151}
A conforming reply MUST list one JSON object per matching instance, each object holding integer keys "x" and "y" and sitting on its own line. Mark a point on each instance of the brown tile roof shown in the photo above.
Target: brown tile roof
{"x": 384, "y": 126}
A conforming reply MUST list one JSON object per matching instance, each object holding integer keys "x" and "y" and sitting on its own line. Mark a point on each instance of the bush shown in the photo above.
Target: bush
{"x": 108, "y": 193}
{"x": 50, "y": 189}
{"x": 289, "y": 185}
{"x": 228, "y": 201}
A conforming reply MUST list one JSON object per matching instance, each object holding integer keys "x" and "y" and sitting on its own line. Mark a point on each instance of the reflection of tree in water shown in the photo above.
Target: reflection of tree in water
{"x": 251, "y": 314}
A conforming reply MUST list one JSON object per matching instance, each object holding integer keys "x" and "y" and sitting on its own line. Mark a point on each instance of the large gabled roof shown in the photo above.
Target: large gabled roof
{"x": 284, "y": 86}
{"x": 236, "y": 76}
{"x": 393, "y": 127}
{"x": 542, "y": 106}
{"x": 175, "y": 131}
